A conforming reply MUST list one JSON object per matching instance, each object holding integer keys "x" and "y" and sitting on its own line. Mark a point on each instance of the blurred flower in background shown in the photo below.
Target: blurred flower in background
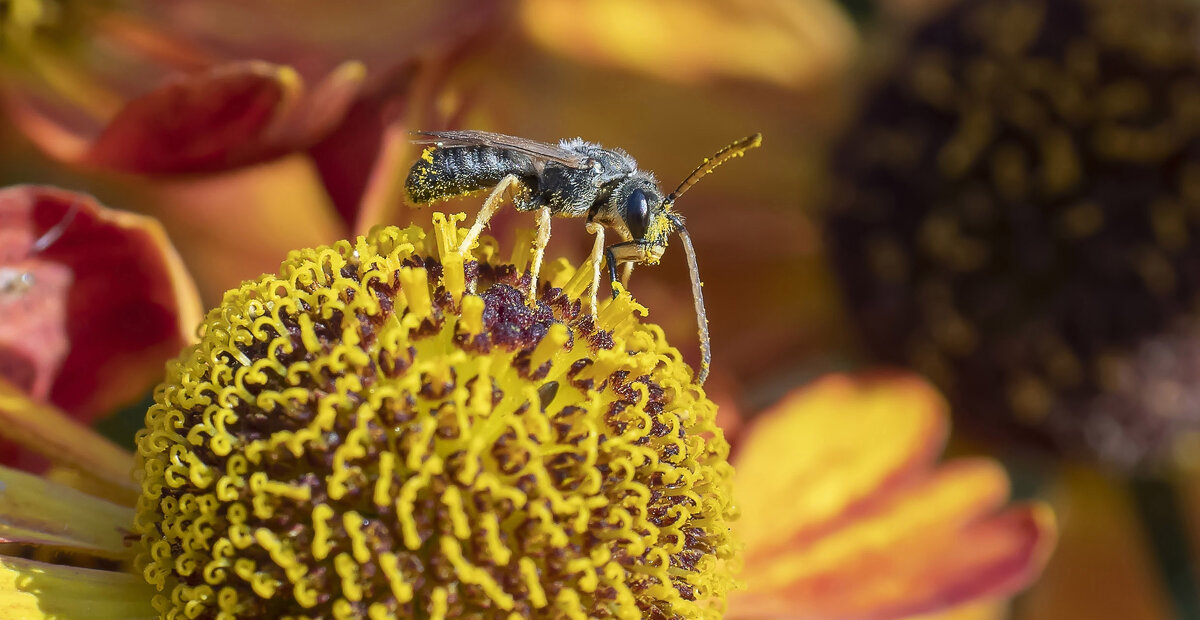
{"x": 1015, "y": 216}
{"x": 93, "y": 301}
{"x": 1044, "y": 275}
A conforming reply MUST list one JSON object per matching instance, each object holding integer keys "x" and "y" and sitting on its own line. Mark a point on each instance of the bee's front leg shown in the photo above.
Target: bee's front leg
{"x": 612, "y": 268}
{"x": 539, "y": 250}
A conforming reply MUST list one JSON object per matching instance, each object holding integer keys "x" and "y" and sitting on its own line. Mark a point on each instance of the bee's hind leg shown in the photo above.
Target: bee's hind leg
{"x": 626, "y": 272}
{"x": 490, "y": 206}
{"x": 539, "y": 250}
{"x": 597, "y": 260}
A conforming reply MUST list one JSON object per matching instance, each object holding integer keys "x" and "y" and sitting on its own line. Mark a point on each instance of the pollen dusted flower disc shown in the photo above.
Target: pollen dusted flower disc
{"x": 363, "y": 436}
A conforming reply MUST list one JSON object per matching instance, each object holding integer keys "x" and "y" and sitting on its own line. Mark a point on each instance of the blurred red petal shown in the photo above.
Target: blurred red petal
{"x": 33, "y": 342}
{"x": 346, "y": 158}
{"x": 111, "y": 287}
{"x": 229, "y": 116}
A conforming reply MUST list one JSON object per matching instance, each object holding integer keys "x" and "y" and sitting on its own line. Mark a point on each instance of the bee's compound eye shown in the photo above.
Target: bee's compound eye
{"x": 637, "y": 214}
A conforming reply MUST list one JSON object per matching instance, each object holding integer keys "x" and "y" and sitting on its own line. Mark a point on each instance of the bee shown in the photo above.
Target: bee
{"x": 571, "y": 179}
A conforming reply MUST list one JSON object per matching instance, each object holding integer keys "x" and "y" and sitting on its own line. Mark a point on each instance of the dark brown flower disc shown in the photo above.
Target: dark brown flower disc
{"x": 1017, "y": 215}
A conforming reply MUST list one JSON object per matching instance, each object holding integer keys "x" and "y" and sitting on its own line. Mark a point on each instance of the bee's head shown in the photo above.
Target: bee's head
{"x": 641, "y": 216}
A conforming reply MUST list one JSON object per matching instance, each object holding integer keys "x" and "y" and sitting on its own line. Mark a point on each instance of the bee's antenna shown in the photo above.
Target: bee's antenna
{"x": 697, "y": 296}
{"x": 733, "y": 150}
{"x": 55, "y": 232}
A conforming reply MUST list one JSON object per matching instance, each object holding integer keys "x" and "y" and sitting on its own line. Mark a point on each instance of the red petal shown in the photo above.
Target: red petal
{"x": 345, "y": 159}
{"x": 197, "y": 123}
{"x": 229, "y": 116}
{"x": 121, "y": 299}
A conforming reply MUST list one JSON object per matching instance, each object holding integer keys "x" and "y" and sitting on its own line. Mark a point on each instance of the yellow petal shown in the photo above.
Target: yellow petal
{"x": 46, "y": 430}
{"x": 830, "y": 445}
{"x": 35, "y": 590}
{"x": 789, "y": 43}
{"x": 36, "y": 511}
{"x": 933, "y": 509}
{"x": 847, "y": 515}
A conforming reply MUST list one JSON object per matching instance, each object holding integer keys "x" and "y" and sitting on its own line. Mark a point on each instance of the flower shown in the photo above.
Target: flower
{"x": 1015, "y": 218}
{"x": 363, "y": 424}
{"x": 94, "y": 302}
{"x": 386, "y": 427}
{"x": 846, "y": 513}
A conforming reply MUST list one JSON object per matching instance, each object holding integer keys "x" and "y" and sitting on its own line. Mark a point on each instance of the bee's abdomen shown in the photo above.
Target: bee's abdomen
{"x": 443, "y": 173}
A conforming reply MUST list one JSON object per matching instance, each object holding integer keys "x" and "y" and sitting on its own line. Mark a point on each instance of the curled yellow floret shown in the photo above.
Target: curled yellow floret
{"x": 387, "y": 429}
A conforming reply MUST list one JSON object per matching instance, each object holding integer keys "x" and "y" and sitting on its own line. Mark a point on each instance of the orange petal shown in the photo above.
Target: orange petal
{"x": 1103, "y": 568}
{"x": 234, "y": 226}
{"x": 129, "y": 305}
{"x": 845, "y": 515}
{"x": 984, "y": 610}
{"x": 830, "y": 446}
{"x": 946, "y": 501}
{"x": 902, "y": 572}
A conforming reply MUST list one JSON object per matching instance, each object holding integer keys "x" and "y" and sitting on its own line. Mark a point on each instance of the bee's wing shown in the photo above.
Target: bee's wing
{"x": 532, "y": 148}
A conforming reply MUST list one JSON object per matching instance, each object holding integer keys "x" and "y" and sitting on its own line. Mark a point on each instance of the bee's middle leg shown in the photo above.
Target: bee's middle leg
{"x": 490, "y": 206}
{"x": 626, "y": 272}
{"x": 539, "y": 249}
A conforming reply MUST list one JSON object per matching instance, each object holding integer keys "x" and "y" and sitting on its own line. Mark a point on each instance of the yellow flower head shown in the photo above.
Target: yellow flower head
{"x": 386, "y": 428}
